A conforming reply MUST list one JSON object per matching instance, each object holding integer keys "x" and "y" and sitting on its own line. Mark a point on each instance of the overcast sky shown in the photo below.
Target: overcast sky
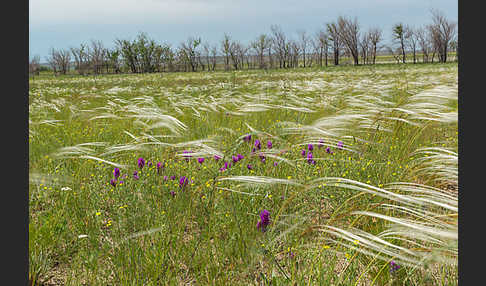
{"x": 68, "y": 23}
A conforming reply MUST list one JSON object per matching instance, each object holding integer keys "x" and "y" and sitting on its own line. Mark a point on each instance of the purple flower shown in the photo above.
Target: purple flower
{"x": 303, "y": 152}
{"x": 253, "y": 150}
{"x": 216, "y": 157}
{"x": 116, "y": 173}
{"x": 166, "y": 178}
{"x": 393, "y": 267}
{"x": 141, "y": 162}
{"x": 321, "y": 143}
{"x": 247, "y": 138}
{"x": 269, "y": 144}
{"x": 200, "y": 160}
{"x": 262, "y": 157}
{"x": 340, "y": 144}
{"x": 159, "y": 166}
{"x": 264, "y": 220}
{"x": 249, "y": 166}
{"x": 135, "y": 175}
{"x": 258, "y": 144}
{"x": 240, "y": 157}
{"x": 310, "y": 158}
{"x": 310, "y": 147}
{"x": 275, "y": 164}
{"x": 149, "y": 163}
{"x": 183, "y": 181}
{"x": 172, "y": 193}
{"x": 113, "y": 182}
{"x": 328, "y": 150}
{"x": 172, "y": 177}
{"x": 235, "y": 159}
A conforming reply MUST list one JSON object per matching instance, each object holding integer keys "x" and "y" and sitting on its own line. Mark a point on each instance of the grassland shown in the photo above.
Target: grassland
{"x": 380, "y": 188}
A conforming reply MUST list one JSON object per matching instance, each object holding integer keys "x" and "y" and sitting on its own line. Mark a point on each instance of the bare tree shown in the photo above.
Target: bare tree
{"x": 348, "y": 31}
{"x": 81, "y": 58}
{"x": 97, "y": 54}
{"x": 214, "y": 55}
{"x": 59, "y": 60}
{"x": 34, "y": 65}
{"x": 423, "y": 42}
{"x": 412, "y": 41}
{"x": 399, "y": 32}
{"x": 190, "y": 53}
{"x": 304, "y": 44}
{"x": 375, "y": 36}
{"x": 279, "y": 44}
{"x": 364, "y": 45}
{"x": 225, "y": 48}
{"x": 332, "y": 30}
{"x": 443, "y": 32}
{"x": 260, "y": 45}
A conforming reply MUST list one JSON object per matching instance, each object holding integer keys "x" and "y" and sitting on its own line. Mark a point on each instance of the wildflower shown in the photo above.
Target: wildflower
{"x": 264, "y": 220}
{"x": 269, "y": 144}
{"x": 247, "y": 138}
{"x": 275, "y": 164}
{"x": 240, "y": 157}
{"x": 159, "y": 166}
{"x": 113, "y": 182}
{"x": 328, "y": 150}
{"x": 249, "y": 166}
{"x": 172, "y": 193}
{"x": 141, "y": 162}
{"x": 303, "y": 152}
{"x": 183, "y": 181}
{"x": 258, "y": 144}
{"x": 394, "y": 267}
{"x": 310, "y": 147}
{"x": 253, "y": 150}
{"x": 149, "y": 163}
{"x": 135, "y": 175}
{"x": 200, "y": 160}
{"x": 310, "y": 159}
{"x": 216, "y": 157}
{"x": 235, "y": 159}
{"x": 321, "y": 143}
{"x": 340, "y": 144}
{"x": 172, "y": 177}
{"x": 166, "y": 178}
{"x": 116, "y": 173}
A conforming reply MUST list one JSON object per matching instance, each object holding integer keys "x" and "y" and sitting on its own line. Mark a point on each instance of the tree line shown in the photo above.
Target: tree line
{"x": 335, "y": 41}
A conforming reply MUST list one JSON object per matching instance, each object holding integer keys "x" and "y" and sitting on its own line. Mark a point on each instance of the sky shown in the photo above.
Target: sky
{"x": 62, "y": 24}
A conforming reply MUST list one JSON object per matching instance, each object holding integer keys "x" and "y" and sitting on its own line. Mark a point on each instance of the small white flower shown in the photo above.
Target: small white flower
{"x": 66, "y": 189}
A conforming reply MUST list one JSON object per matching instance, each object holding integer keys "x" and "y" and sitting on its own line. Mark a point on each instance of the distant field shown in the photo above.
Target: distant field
{"x": 375, "y": 203}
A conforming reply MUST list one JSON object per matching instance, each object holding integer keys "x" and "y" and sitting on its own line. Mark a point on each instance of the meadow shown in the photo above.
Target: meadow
{"x": 334, "y": 176}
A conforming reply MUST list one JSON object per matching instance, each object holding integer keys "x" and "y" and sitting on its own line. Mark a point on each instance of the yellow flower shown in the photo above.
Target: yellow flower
{"x": 98, "y": 213}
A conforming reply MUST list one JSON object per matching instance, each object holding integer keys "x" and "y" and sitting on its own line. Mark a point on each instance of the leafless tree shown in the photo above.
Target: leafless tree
{"x": 411, "y": 41}
{"x": 81, "y": 58}
{"x": 190, "y": 52}
{"x": 260, "y": 45}
{"x": 225, "y": 48}
{"x": 304, "y": 44}
{"x": 442, "y": 31}
{"x": 321, "y": 46}
{"x": 294, "y": 53}
{"x": 59, "y": 60}
{"x": 97, "y": 54}
{"x": 333, "y": 32}
{"x": 214, "y": 56}
{"x": 34, "y": 65}
{"x": 375, "y": 36}
{"x": 348, "y": 31}
{"x": 279, "y": 44}
{"x": 364, "y": 45}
